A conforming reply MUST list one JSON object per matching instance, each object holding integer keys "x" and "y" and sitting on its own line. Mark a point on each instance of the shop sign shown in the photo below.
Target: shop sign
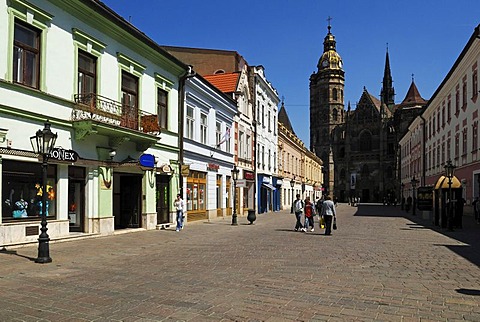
{"x": 425, "y": 198}
{"x": 185, "y": 170}
{"x": 60, "y": 154}
{"x": 213, "y": 167}
{"x": 241, "y": 183}
{"x": 147, "y": 160}
{"x": 248, "y": 175}
{"x": 267, "y": 180}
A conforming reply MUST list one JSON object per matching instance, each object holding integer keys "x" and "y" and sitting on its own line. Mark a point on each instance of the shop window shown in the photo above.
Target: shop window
{"x": 22, "y": 190}
{"x": 196, "y": 184}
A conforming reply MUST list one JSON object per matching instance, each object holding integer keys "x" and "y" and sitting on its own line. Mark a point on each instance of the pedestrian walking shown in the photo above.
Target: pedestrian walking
{"x": 309, "y": 213}
{"x": 328, "y": 213}
{"x": 179, "y": 205}
{"x": 298, "y": 206}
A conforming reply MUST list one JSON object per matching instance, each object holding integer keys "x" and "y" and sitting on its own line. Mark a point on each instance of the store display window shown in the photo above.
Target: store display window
{"x": 22, "y": 190}
{"x": 196, "y": 184}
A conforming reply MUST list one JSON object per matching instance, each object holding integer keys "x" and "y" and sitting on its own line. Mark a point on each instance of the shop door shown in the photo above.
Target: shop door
{"x": 162, "y": 199}
{"x": 76, "y": 199}
{"x": 130, "y": 202}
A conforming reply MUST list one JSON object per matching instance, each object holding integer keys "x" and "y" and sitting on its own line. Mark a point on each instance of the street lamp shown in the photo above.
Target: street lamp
{"x": 235, "y": 178}
{"x": 292, "y": 184}
{"x": 414, "y": 183}
{"x": 42, "y": 143}
{"x": 402, "y": 186}
{"x": 449, "y": 170}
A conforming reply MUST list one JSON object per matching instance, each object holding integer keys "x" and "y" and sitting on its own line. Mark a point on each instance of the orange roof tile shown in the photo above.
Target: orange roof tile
{"x": 227, "y": 82}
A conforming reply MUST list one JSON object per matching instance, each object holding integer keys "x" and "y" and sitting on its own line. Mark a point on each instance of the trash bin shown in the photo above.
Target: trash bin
{"x": 251, "y": 217}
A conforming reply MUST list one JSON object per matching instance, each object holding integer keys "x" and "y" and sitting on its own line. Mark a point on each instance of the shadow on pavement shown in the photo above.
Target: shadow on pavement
{"x": 467, "y": 291}
{"x": 14, "y": 253}
{"x": 469, "y": 234}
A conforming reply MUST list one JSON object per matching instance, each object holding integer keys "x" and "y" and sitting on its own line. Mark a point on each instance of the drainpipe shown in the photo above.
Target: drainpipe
{"x": 255, "y": 140}
{"x": 181, "y": 116}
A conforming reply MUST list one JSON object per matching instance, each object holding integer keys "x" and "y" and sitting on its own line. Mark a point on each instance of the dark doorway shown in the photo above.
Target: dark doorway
{"x": 162, "y": 199}
{"x": 365, "y": 195}
{"x": 76, "y": 199}
{"x": 127, "y": 206}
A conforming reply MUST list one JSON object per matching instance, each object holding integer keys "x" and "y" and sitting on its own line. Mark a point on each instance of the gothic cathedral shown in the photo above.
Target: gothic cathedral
{"x": 359, "y": 147}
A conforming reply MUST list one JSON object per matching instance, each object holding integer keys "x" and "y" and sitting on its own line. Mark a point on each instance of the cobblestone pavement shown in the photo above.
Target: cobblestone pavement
{"x": 381, "y": 264}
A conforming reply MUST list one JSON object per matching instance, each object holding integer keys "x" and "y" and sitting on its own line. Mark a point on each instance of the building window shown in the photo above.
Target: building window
{"x": 334, "y": 94}
{"x": 196, "y": 183}
{"x": 464, "y": 93}
{"x": 203, "y": 128}
{"x": 269, "y": 159}
{"x": 241, "y": 149}
{"x": 218, "y": 133}
{"x": 87, "y": 73}
{"x": 457, "y": 145}
{"x": 443, "y": 115}
{"x": 22, "y": 190}
{"x": 274, "y": 125}
{"x": 474, "y": 84}
{"x": 162, "y": 108}
{"x": 269, "y": 123}
{"x": 334, "y": 114}
{"x": 248, "y": 147}
{"x": 475, "y": 136}
{"x": 449, "y": 141}
{"x": 263, "y": 115}
{"x": 464, "y": 141}
{"x": 449, "y": 110}
{"x": 258, "y": 113}
{"x": 228, "y": 141}
{"x": 457, "y": 101}
{"x": 189, "y": 125}
{"x": 129, "y": 101}
{"x": 26, "y": 55}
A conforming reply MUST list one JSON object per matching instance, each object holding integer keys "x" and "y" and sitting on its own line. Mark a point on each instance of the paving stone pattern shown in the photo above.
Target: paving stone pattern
{"x": 381, "y": 264}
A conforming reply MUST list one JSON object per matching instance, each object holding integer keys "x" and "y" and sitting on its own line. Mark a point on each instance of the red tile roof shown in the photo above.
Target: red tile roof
{"x": 227, "y": 82}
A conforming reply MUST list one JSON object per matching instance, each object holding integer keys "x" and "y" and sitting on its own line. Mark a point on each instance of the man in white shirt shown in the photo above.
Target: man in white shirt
{"x": 298, "y": 206}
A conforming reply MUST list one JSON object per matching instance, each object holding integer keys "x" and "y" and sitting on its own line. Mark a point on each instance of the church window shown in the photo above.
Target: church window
{"x": 335, "y": 114}
{"x": 389, "y": 172}
{"x": 365, "y": 171}
{"x": 341, "y": 153}
{"x": 335, "y": 94}
{"x": 365, "y": 141}
{"x": 342, "y": 174}
{"x": 325, "y": 135}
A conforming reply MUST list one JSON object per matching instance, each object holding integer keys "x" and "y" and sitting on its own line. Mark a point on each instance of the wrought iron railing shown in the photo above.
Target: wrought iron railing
{"x": 90, "y": 106}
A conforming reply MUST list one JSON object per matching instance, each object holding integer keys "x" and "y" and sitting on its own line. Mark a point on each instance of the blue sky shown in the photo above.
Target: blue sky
{"x": 424, "y": 38}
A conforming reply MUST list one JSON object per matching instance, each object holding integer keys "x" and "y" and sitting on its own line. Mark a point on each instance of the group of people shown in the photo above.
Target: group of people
{"x": 306, "y": 210}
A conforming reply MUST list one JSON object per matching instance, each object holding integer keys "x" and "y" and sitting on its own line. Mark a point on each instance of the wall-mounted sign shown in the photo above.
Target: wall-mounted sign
{"x": 147, "y": 160}
{"x": 167, "y": 168}
{"x": 64, "y": 155}
{"x": 248, "y": 175}
{"x": 241, "y": 183}
{"x": 185, "y": 170}
{"x": 213, "y": 167}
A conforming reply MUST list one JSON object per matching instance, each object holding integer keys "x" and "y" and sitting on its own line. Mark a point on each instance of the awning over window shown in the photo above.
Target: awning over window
{"x": 442, "y": 183}
{"x": 268, "y": 186}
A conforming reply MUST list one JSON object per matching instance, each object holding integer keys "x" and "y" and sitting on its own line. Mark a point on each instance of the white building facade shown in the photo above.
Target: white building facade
{"x": 208, "y": 150}
{"x": 266, "y": 102}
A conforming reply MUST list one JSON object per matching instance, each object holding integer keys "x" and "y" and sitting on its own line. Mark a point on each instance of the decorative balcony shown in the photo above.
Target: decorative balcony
{"x": 95, "y": 114}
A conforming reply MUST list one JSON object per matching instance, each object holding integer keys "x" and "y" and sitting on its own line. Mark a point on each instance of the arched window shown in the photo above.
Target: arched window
{"x": 334, "y": 114}
{"x": 335, "y": 94}
{"x": 342, "y": 174}
{"x": 365, "y": 171}
{"x": 341, "y": 153}
{"x": 389, "y": 173}
{"x": 365, "y": 141}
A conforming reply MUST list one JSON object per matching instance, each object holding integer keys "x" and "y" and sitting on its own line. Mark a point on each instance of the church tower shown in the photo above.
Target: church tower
{"x": 326, "y": 105}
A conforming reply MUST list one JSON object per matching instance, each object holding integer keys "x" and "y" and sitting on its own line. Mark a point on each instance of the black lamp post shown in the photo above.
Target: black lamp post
{"x": 414, "y": 183}
{"x": 292, "y": 184}
{"x": 235, "y": 178}
{"x": 449, "y": 170}
{"x": 42, "y": 143}
{"x": 402, "y": 201}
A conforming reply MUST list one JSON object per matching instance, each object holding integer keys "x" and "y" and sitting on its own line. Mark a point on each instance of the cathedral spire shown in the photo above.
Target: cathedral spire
{"x": 388, "y": 92}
